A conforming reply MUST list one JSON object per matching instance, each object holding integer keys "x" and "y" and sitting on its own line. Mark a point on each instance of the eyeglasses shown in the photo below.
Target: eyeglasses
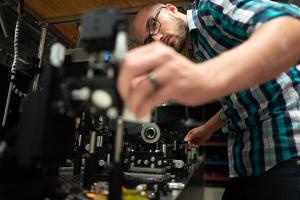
{"x": 153, "y": 26}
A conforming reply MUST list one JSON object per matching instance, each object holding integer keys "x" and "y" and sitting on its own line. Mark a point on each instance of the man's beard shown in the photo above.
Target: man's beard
{"x": 182, "y": 34}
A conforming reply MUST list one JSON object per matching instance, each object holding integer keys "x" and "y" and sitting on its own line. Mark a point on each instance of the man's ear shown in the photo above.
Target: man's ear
{"x": 171, "y": 8}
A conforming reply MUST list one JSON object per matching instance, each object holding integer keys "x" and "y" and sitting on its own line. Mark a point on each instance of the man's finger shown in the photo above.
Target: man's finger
{"x": 154, "y": 100}
{"x": 148, "y": 87}
{"x": 135, "y": 65}
{"x": 188, "y": 135}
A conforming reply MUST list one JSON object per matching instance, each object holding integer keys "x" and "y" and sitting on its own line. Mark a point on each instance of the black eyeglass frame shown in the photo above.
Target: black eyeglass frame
{"x": 154, "y": 18}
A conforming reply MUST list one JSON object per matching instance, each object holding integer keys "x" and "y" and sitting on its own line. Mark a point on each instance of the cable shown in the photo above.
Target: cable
{"x": 13, "y": 70}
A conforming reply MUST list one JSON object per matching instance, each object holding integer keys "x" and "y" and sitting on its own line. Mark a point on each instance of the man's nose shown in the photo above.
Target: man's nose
{"x": 157, "y": 37}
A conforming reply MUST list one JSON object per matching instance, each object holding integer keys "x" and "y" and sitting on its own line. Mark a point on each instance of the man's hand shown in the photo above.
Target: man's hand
{"x": 178, "y": 79}
{"x": 197, "y": 136}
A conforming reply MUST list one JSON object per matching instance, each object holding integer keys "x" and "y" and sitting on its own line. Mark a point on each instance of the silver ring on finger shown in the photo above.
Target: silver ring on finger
{"x": 151, "y": 77}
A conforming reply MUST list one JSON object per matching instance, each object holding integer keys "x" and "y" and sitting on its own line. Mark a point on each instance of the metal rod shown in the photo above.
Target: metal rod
{"x": 40, "y": 56}
{"x": 100, "y": 141}
{"x": 164, "y": 150}
{"x": 119, "y": 140}
{"x": 7, "y": 105}
{"x": 92, "y": 142}
{"x": 3, "y": 23}
{"x": 90, "y": 166}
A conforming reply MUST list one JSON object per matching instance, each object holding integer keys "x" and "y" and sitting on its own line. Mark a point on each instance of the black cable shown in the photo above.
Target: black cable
{"x": 13, "y": 70}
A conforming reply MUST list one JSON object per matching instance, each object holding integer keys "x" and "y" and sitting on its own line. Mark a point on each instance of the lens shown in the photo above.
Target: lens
{"x": 150, "y": 133}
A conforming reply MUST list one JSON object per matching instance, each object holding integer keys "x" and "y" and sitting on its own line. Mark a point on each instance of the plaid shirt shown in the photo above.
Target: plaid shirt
{"x": 263, "y": 122}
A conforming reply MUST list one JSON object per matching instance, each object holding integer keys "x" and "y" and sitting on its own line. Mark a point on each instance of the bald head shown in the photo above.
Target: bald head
{"x": 140, "y": 20}
{"x": 173, "y": 24}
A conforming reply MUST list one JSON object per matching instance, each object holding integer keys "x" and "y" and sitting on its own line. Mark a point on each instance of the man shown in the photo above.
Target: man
{"x": 247, "y": 53}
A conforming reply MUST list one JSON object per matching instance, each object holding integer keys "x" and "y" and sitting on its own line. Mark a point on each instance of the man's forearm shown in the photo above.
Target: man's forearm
{"x": 272, "y": 49}
{"x": 214, "y": 123}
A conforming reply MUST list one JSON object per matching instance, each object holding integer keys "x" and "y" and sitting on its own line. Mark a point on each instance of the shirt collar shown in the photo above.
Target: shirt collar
{"x": 190, "y": 20}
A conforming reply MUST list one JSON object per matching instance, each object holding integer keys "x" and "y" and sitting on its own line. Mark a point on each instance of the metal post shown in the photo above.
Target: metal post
{"x": 116, "y": 174}
{"x": 119, "y": 140}
{"x": 7, "y": 105}
{"x": 40, "y": 56}
{"x": 90, "y": 165}
{"x": 3, "y": 23}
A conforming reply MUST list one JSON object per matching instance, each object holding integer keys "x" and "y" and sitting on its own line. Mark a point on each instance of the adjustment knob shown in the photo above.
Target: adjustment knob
{"x": 159, "y": 163}
{"x": 132, "y": 158}
{"x": 101, "y": 163}
{"x": 152, "y": 159}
